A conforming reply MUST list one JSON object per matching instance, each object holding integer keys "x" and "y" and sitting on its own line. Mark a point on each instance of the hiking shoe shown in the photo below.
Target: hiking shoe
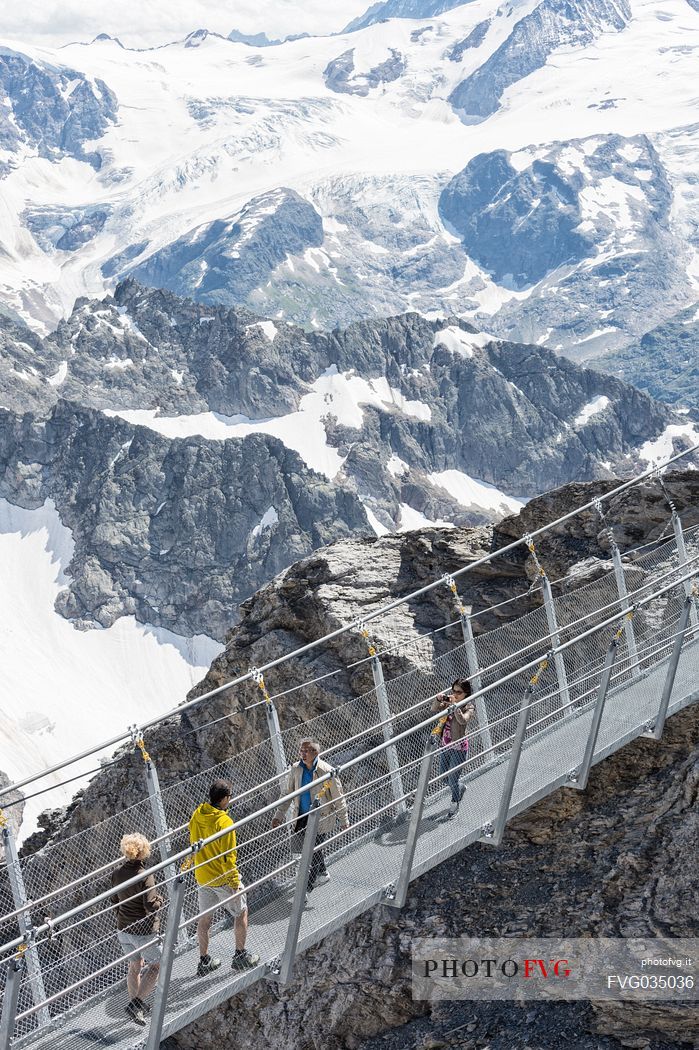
{"x": 207, "y": 965}
{"x": 244, "y": 960}
{"x": 454, "y": 807}
{"x": 320, "y": 879}
{"x": 135, "y": 1012}
{"x": 144, "y": 1007}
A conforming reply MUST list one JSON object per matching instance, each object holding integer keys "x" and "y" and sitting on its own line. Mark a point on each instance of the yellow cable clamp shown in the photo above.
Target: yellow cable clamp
{"x": 534, "y": 681}
{"x": 141, "y": 745}
{"x": 451, "y": 584}
{"x": 628, "y": 617}
{"x": 532, "y": 550}
{"x": 21, "y": 950}
{"x": 186, "y": 864}
{"x": 258, "y": 677}
{"x": 370, "y": 646}
{"x": 3, "y": 820}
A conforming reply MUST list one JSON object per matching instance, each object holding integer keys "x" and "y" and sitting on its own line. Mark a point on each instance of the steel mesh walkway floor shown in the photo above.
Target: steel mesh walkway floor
{"x": 361, "y": 873}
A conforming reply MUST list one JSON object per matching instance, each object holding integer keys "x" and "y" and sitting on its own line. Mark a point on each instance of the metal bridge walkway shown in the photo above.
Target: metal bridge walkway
{"x": 361, "y": 876}
{"x": 554, "y": 691}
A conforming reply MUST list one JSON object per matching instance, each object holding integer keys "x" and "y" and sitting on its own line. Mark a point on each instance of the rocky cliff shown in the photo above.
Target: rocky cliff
{"x": 196, "y": 451}
{"x": 616, "y": 860}
{"x": 664, "y": 363}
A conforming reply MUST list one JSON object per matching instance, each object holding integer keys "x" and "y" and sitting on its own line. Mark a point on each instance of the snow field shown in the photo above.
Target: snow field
{"x": 60, "y": 683}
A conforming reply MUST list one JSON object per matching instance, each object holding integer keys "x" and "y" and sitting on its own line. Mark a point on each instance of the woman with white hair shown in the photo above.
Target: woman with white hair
{"x": 138, "y": 923}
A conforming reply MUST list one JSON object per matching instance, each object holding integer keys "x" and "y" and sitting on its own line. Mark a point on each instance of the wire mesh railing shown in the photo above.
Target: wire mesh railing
{"x": 362, "y": 735}
{"x": 75, "y": 975}
{"x": 70, "y": 858}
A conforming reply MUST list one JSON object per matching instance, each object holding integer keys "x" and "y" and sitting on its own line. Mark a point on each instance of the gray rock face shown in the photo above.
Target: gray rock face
{"x": 177, "y": 531}
{"x": 551, "y": 24}
{"x": 169, "y": 531}
{"x": 53, "y": 110}
{"x": 664, "y": 363}
{"x": 520, "y": 223}
{"x": 340, "y": 76}
{"x": 492, "y": 206}
{"x": 261, "y": 39}
{"x": 223, "y": 261}
{"x": 474, "y": 39}
{"x": 585, "y": 225}
{"x": 401, "y": 9}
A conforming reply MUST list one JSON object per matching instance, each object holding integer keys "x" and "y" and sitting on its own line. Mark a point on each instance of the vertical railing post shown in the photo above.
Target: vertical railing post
{"x": 657, "y": 730}
{"x": 300, "y": 892}
{"x": 579, "y": 779}
{"x": 13, "y": 981}
{"x": 401, "y": 888}
{"x": 494, "y": 834}
{"x": 683, "y": 562}
{"x": 158, "y": 810}
{"x": 474, "y": 672}
{"x": 155, "y": 800}
{"x": 625, "y": 605}
{"x": 275, "y": 736}
{"x": 558, "y": 659}
{"x": 19, "y": 896}
{"x": 174, "y": 912}
{"x": 391, "y": 752}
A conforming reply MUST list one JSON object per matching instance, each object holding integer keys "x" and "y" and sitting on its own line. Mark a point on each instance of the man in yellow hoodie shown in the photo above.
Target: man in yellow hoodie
{"x": 218, "y": 878}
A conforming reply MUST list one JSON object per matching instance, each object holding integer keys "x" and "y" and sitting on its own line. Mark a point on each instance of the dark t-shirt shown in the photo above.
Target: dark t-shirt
{"x": 136, "y": 914}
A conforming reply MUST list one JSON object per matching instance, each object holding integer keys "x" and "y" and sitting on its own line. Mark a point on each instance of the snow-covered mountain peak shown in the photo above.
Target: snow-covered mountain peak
{"x": 365, "y": 129}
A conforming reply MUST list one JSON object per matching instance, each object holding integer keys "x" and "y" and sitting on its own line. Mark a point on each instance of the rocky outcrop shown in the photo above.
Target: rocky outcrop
{"x": 52, "y": 110}
{"x": 340, "y": 75}
{"x": 401, "y": 9}
{"x": 552, "y": 24}
{"x": 474, "y": 39}
{"x": 346, "y": 580}
{"x": 538, "y": 222}
{"x": 173, "y": 532}
{"x": 223, "y": 261}
{"x": 66, "y": 229}
{"x": 664, "y": 363}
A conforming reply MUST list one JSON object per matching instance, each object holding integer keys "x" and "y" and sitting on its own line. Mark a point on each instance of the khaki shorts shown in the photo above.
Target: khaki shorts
{"x": 233, "y": 901}
{"x": 129, "y": 942}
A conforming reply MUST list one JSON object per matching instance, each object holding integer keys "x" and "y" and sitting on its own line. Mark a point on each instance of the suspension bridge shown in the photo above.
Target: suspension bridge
{"x": 555, "y": 691}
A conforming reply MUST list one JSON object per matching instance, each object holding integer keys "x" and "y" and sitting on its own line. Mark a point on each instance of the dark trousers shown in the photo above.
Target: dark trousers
{"x": 318, "y": 860}
{"x": 449, "y": 759}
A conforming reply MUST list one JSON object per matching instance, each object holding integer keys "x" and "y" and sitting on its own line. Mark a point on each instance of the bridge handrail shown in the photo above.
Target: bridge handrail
{"x": 356, "y": 624}
{"x": 290, "y": 796}
{"x": 369, "y": 730}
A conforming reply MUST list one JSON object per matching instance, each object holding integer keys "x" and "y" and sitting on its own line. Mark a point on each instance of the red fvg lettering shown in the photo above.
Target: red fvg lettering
{"x": 556, "y": 968}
